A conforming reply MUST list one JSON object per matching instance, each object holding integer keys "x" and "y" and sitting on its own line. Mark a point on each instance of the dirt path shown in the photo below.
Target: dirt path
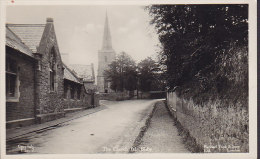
{"x": 161, "y": 136}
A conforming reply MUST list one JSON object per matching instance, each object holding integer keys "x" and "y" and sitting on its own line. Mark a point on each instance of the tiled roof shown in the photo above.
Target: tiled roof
{"x": 30, "y": 34}
{"x": 83, "y": 71}
{"x": 15, "y": 42}
{"x": 68, "y": 74}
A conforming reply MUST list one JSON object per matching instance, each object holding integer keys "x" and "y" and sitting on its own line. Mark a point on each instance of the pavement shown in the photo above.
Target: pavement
{"x": 161, "y": 136}
{"x": 13, "y": 133}
{"x": 112, "y": 130}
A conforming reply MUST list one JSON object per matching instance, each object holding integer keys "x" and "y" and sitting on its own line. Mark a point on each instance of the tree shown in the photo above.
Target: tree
{"x": 197, "y": 40}
{"x": 122, "y": 73}
{"x": 150, "y": 78}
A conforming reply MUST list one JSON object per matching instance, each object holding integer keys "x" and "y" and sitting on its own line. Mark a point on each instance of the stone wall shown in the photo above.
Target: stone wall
{"x": 215, "y": 128}
{"x": 114, "y": 96}
{"x": 143, "y": 95}
{"x": 24, "y": 107}
{"x": 74, "y": 103}
{"x": 87, "y": 99}
{"x": 48, "y": 101}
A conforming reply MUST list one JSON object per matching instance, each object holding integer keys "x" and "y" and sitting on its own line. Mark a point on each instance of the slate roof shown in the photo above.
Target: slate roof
{"x": 16, "y": 43}
{"x": 69, "y": 75}
{"x": 86, "y": 72}
{"x": 30, "y": 34}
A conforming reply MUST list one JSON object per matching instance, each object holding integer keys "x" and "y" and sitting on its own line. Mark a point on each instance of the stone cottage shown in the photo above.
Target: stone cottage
{"x": 39, "y": 86}
{"x": 87, "y": 74}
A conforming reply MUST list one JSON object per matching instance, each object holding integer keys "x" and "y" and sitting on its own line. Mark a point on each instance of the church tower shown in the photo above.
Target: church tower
{"x": 105, "y": 56}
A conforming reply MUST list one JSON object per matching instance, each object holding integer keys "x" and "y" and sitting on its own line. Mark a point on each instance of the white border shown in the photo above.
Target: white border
{"x": 252, "y": 77}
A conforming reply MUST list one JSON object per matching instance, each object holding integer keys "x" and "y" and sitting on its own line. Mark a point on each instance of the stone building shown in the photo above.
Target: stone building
{"x": 76, "y": 95}
{"x": 105, "y": 56}
{"x": 37, "y": 81}
{"x": 87, "y": 74}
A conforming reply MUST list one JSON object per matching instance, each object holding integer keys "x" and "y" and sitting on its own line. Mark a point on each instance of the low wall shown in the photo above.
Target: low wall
{"x": 88, "y": 101}
{"x": 215, "y": 128}
{"x": 114, "y": 96}
{"x": 144, "y": 95}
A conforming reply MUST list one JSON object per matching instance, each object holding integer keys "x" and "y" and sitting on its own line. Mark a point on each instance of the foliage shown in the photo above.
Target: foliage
{"x": 122, "y": 73}
{"x": 204, "y": 48}
{"x": 150, "y": 76}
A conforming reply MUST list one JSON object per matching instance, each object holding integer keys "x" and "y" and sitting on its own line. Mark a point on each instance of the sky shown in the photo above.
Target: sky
{"x": 79, "y": 29}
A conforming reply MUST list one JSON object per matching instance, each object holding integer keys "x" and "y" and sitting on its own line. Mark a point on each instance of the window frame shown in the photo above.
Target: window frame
{"x": 9, "y": 72}
{"x": 78, "y": 93}
{"x": 53, "y": 70}
{"x": 72, "y": 93}
{"x": 65, "y": 91}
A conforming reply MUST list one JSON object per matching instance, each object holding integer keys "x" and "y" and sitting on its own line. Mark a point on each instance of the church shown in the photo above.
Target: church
{"x": 105, "y": 56}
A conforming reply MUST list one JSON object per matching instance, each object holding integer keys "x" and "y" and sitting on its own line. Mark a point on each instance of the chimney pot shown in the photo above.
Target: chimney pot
{"x": 49, "y": 20}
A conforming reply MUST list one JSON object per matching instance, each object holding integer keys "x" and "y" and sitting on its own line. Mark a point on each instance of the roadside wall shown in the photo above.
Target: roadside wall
{"x": 114, "y": 96}
{"x": 215, "y": 128}
{"x": 144, "y": 95}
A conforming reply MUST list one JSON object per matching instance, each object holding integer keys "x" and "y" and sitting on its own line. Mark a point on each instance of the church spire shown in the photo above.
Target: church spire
{"x": 107, "y": 42}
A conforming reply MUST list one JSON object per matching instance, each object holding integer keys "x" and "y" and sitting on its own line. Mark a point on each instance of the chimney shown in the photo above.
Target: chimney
{"x": 93, "y": 72}
{"x": 49, "y": 20}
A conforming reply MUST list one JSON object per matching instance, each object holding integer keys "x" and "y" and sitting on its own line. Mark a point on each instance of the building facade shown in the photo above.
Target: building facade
{"x": 39, "y": 87}
{"x": 105, "y": 56}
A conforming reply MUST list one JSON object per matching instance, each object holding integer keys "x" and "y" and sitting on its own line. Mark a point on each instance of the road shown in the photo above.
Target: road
{"x": 112, "y": 130}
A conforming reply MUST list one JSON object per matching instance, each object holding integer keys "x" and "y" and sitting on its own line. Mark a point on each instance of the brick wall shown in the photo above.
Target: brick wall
{"x": 24, "y": 108}
{"x": 211, "y": 124}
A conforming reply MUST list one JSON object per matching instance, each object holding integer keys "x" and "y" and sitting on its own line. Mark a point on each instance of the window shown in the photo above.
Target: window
{"x": 78, "y": 93}
{"x": 105, "y": 58}
{"x": 72, "y": 92}
{"x": 52, "y": 70}
{"x": 65, "y": 90}
{"x": 11, "y": 80}
{"x": 39, "y": 66}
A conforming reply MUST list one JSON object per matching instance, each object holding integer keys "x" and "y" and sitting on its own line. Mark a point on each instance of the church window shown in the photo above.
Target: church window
{"x": 11, "y": 80}
{"x": 52, "y": 70}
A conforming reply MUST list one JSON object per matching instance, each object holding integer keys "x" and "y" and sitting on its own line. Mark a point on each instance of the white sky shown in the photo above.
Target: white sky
{"x": 79, "y": 29}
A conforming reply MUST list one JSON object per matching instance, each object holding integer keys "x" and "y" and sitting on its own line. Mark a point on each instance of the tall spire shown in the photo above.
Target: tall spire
{"x": 107, "y": 42}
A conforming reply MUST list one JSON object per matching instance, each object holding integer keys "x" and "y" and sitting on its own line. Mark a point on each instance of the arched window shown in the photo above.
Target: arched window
{"x": 52, "y": 70}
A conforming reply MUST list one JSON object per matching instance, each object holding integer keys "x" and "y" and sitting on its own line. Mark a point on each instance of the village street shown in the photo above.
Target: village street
{"x": 112, "y": 130}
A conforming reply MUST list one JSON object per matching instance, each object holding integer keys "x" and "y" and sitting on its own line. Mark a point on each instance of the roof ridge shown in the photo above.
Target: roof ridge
{"x": 26, "y": 25}
{"x": 78, "y": 78}
{"x": 15, "y": 35}
{"x": 81, "y": 64}
{"x": 19, "y": 39}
